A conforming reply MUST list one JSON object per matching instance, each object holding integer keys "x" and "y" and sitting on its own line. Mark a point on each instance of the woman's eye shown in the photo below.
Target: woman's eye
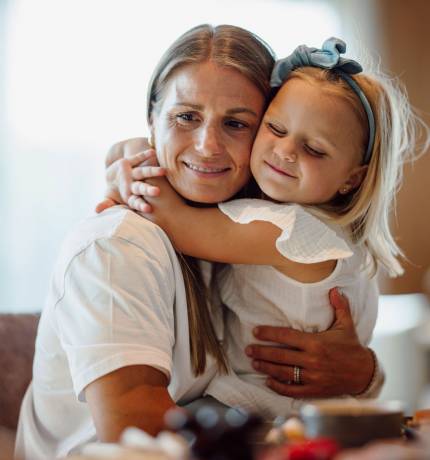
{"x": 314, "y": 152}
{"x": 275, "y": 130}
{"x": 185, "y": 117}
{"x": 236, "y": 124}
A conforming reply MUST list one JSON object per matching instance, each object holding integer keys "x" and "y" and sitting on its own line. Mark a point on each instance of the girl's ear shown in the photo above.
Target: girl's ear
{"x": 354, "y": 180}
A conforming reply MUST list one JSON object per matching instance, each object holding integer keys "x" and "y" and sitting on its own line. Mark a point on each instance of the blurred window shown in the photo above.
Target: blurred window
{"x": 73, "y": 76}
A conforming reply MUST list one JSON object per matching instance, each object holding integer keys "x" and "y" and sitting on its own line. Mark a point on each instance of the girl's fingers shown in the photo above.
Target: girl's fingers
{"x": 139, "y": 204}
{"x": 105, "y": 204}
{"x": 140, "y": 157}
{"x": 143, "y": 189}
{"x": 145, "y": 172}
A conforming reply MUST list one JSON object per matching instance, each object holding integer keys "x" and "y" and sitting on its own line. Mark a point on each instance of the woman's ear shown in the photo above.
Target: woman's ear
{"x": 354, "y": 180}
{"x": 151, "y": 139}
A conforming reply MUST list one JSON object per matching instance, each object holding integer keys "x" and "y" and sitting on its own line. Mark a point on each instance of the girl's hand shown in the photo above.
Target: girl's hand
{"x": 126, "y": 164}
{"x": 332, "y": 362}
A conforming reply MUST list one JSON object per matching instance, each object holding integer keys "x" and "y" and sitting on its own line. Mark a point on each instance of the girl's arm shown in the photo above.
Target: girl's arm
{"x": 207, "y": 233}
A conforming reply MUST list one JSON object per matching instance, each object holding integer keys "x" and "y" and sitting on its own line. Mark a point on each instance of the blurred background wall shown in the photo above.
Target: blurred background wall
{"x": 405, "y": 35}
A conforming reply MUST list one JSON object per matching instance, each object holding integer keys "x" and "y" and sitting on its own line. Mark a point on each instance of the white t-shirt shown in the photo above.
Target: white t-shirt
{"x": 259, "y": 294}
{"x": 116, "y": 298}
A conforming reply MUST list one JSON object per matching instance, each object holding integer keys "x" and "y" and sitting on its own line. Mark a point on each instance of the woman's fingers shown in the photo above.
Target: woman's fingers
{"x": 145, "y": 172}
{"x": 296, "y": 391}
{"x": 342, "y": 311}
{"x": 283, "y": 374}
{"x": 144, "y": 189}
{"x": 284, "y": 336}
{"x": 139, "y": 204}
{"x": 275, "y": 354}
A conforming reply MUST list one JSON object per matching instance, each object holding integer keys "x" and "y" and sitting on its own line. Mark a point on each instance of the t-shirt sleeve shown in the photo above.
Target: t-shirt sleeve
{"x": 116, "y": 310}
{"x": 304, "y": 238}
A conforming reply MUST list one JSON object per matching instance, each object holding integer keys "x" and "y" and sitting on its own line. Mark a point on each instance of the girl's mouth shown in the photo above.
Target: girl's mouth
{"x": 280, "y": 171}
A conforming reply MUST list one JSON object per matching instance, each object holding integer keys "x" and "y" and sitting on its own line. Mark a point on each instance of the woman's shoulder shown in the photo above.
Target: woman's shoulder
{"x": 116, "y": 226}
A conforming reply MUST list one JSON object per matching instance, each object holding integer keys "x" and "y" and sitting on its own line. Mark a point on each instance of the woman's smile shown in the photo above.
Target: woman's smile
{"x": 206, "y": 170}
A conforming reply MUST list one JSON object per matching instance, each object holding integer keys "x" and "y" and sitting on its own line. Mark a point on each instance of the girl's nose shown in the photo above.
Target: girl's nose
{"x": 209, "y": 142}
{"x": 286, "y": 149}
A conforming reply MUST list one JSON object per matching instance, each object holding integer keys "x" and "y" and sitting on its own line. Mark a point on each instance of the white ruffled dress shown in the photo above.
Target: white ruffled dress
{"x": 261, "y": 295}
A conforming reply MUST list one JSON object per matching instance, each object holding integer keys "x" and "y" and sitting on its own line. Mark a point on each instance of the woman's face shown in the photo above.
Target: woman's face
{"x": 203, "y": 129}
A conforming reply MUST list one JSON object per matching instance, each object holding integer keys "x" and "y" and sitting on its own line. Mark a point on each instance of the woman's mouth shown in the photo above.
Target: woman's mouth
{"x": 283, "y": 172}
{"x": 205, "y": 169}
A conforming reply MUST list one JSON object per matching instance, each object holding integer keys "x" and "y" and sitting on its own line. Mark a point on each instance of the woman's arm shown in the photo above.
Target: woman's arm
{"x": 130, "y": 396}
{"x": 117, "y": 316}
{"x": 207, "y": 233}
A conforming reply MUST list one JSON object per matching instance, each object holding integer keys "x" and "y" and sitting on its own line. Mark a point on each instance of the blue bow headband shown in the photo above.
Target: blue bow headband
{"x": 327, "y": 58}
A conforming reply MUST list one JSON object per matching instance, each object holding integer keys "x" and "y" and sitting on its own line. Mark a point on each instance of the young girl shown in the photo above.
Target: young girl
{"x": 328, "y": 159}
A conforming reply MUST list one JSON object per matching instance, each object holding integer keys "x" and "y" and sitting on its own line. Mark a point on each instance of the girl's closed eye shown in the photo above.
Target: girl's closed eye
{"x": 276, "y": 130}
{"x": 314, "y": 152}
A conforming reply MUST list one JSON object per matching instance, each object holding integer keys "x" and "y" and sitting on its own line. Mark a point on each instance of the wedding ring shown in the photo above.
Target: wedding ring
{"x": 296, "y": 376}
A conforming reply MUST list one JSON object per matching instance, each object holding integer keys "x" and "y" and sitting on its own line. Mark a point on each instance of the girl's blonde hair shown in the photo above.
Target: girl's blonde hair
{"x": 366, "y": 211}
{"x": 234, "y": 48}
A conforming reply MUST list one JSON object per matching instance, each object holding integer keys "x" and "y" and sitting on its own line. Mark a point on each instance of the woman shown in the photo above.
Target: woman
{"x": 125, "y": 333}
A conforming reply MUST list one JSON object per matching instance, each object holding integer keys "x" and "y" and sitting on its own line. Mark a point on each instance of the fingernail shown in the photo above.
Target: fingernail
{"x": 341, "y": 293}
{"x": 256, "y": 331}
{"x": 336, "y": 292}
{"x": 248, "y": 351}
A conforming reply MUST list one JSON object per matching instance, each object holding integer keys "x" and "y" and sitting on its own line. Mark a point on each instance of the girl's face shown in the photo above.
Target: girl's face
{"x": 204, "y": 128}
{"x": 308, "y": 147}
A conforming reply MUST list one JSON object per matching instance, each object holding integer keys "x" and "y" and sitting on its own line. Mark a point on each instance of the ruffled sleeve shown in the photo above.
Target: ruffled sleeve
{"x": 304, "y": 238}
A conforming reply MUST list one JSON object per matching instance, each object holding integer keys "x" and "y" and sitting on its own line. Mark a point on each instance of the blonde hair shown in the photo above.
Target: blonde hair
{"x": 234, "y": 48}
{"x": 366, "y": 211}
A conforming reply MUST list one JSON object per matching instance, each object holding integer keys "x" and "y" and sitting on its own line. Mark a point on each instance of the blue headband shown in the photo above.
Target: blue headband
{"x": 327, "y": 58}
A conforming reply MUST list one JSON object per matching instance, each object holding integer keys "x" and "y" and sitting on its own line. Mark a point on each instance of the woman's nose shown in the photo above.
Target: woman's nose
{"x": 286, "y": 149}
{"x": 209, "y": 142}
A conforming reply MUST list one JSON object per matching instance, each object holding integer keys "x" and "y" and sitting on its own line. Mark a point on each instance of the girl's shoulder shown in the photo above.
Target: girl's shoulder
{"x": 305, "y": 238}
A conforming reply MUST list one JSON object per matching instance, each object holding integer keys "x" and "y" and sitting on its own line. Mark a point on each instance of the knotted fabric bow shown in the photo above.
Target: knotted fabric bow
{"x": 329, "y": 57}
{"x": 326, "y": 58}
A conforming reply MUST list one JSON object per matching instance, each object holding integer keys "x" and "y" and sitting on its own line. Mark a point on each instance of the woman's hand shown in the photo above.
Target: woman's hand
{"x": 332, "y": 362}
{"x": 126, "y": 164}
